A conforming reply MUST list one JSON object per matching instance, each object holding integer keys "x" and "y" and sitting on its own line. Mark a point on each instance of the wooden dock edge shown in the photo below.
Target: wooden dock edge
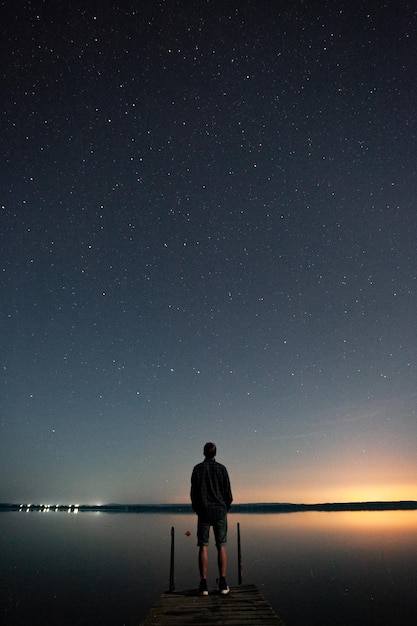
{"x": 243, "y": 606}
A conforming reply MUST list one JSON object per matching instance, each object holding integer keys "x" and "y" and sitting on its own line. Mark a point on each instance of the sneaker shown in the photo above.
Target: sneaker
{"x": 223, "y": 587}
{"x": 203, "y": 589}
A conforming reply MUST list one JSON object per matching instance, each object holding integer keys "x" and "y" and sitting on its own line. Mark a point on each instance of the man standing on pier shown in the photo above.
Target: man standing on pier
{"x": 211, "y": 498}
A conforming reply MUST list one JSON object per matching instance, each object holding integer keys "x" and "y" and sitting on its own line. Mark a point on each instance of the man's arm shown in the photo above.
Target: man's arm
{"x": 194, "y": 492}
{"x": 228, "y": 498}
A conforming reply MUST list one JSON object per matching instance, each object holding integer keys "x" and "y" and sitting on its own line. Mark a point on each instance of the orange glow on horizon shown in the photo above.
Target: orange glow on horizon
{"x": 378, "y": 493}
{"x": 330, "y": 494}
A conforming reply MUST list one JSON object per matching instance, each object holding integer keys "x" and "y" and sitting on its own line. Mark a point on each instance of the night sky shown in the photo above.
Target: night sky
{"x": 208, "y": 233}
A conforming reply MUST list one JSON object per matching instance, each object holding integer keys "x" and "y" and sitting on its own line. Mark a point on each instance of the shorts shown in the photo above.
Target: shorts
{"x": 219, "y": 529}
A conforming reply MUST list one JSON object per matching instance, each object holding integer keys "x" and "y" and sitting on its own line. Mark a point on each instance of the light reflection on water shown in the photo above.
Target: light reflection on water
{"x": 327, "y": 569}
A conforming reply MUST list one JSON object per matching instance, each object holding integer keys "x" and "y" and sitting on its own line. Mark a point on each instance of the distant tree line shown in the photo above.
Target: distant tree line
{"x": 267, "y": 507}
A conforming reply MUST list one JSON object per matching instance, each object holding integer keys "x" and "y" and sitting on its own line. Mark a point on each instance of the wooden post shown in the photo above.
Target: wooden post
{"x": 239, "y": 556}
{"x": 171, "y": 568}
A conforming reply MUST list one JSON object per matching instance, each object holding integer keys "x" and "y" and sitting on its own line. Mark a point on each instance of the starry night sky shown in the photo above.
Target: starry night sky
{"x": 208, "y": 232}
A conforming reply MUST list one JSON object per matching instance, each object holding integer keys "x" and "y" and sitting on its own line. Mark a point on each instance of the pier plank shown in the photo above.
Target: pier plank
{"x": 243, "y": 606}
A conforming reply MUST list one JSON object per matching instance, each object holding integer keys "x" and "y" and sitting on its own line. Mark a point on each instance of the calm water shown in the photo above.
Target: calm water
{"x": 322, "y": 569}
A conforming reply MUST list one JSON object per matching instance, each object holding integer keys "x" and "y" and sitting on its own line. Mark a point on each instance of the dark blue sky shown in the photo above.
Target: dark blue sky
{"x": 208, "y": 225}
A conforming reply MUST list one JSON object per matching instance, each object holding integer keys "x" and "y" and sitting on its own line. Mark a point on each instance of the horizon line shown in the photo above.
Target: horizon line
{"x": 235, "y": 506}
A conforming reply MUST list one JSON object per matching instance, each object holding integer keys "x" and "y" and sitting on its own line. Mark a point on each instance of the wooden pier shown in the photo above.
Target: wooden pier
{"x": 243, "y": 606}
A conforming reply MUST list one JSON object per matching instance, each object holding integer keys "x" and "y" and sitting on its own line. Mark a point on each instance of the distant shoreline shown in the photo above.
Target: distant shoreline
{"x": 266, "y": 507}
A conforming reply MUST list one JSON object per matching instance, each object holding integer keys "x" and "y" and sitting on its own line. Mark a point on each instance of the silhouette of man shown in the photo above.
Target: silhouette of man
{"x": 211, "y": 498}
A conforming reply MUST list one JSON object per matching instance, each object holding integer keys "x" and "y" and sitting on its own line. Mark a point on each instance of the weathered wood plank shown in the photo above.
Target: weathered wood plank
{"x": 243, "y": 606}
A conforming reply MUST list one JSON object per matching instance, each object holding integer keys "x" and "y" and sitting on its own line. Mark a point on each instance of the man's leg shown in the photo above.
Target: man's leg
{"x": 222, "y": 560}
{"x": 220, "y": 533}
{"x": 221, "y": 540}
{"x": 222, "y": 563}
{"x": 203, "y": 561}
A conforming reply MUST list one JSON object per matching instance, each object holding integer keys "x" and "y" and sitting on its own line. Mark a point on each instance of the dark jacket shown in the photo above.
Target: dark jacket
{"x": 211, "y": 495}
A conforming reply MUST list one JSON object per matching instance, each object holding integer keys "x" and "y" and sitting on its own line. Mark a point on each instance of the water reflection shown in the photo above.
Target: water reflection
{"x": 335, "y": 568}
{"x": 315, "y": 568}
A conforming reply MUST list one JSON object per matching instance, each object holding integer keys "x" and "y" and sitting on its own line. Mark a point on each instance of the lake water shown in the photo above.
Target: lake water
{"x": 314, "y": 568}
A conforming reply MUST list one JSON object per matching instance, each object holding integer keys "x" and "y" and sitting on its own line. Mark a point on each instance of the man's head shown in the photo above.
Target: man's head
{"x": 210, "y": 450}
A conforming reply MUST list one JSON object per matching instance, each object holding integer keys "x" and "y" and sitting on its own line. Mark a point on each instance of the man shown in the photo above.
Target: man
{"x": 211, "y": 498}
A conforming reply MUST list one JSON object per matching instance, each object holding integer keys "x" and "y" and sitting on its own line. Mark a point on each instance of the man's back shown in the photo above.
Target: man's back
{"x": 211, "y": 494}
